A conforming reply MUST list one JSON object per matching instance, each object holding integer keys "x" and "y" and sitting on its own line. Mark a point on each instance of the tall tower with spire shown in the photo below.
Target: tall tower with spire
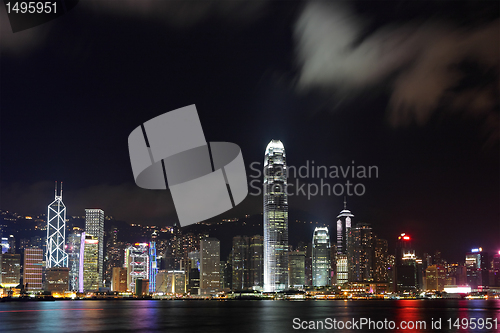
{"x": 56, "y": 232}
{"x": 344, "y": 222}
{"x": 275, "y": 218}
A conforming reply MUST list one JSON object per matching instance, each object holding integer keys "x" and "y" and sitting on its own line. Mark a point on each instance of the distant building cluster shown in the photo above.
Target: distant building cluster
{"x": 345, "y": 259}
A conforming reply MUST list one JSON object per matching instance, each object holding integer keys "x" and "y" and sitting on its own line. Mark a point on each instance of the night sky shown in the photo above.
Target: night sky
{"x": 408, "y": 86}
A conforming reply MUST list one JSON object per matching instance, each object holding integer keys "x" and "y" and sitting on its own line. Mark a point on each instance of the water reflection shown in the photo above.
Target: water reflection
{"x": 240, "y": 316}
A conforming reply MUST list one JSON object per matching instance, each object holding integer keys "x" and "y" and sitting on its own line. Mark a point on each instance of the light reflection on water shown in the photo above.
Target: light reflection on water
{"x": 232, "y": 316}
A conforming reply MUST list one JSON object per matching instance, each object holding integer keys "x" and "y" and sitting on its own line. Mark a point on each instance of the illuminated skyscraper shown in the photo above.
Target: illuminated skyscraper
{"x": 90, "y": 263}
{"x": 476, "y": 263}
{"x": 240, "y": 263}
{"x": 32, "y": 275}
{"x": 361, "y": 253}
{"x": 321, "y": 257}
{"x": 343, "y": 230}
{"x": 275, "y": 218}
{"x": 153, "y": 270}
{"x": 344, "y": 221}
{"x": 137, "y": 263}
{"x": 380, "y": 266}
{"x": 256, "y": 262}
{"x": 210, "y": 266}
{"x": 297, "y": 269}
{"x": 73, "y": 250}
{"x": 10, "y": 270}
{"x": 56, "y": 233}
{"x": 405, "y": 265}
{"x": 94, "y": 225}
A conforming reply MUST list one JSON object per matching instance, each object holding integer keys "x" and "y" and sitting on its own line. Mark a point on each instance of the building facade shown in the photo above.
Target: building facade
{"x": 57, "y": 279}
{"x": 90, "y": 263}
{"x": 321, "y": 257}
{"x": 257, "y": 262}
{"x": 73, "y": 250}
{"x": 10, "y": 270}
{"x": 119, "y": 279}
{"x": 137, "y": 264}
{"x": 56, "y": 256}
{"x": 361, "y": 253}
{"x": 94, "y": 225}
{"x": 275, "y": 218}
{"x": 344, "y": 222}
{"x": 210, "y": 266}
{"x": 33, "y": 269}
{"x": 297, "y": 269}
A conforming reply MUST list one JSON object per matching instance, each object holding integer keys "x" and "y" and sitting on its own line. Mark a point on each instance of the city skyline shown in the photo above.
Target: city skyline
{"x": 438, "y": 164}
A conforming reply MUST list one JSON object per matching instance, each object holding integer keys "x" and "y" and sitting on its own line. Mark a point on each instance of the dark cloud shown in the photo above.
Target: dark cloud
{"x": 421, "y": 59}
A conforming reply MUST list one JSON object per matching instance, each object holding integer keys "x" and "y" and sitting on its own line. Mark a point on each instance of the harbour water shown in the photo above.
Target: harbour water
{"x": 250, "y": 316}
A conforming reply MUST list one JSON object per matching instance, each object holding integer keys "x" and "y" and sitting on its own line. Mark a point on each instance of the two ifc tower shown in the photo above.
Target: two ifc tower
{"x": 276, "y": 226}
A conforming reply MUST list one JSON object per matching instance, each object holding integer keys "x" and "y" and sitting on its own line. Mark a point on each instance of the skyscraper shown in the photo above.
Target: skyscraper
{"x": 380, "y": 261}
{"x": 343, "y": 230}
{"x": 10, "y": 270}
{"x": 90, "y": 263}
{"x": 32, "y": 269}
{"x": 209, "y": 266}
{"x": 73, "y": 248}
{"x": 321, "y": 257}
{"x": 240, "y": 264}
{"x": 361, "y": 253}
{"x": 153, "y": 270}
{"x": 256, "y": 262}
{"x": 94, "y": 225}
{"x": 275, "y": 218}
{"x": 476, "y": 263}
{"x": 137, "y": 263}
{"x": 56, "y": 233}
{"x": 297, "y": 269}
{"x": 405, "y": 265}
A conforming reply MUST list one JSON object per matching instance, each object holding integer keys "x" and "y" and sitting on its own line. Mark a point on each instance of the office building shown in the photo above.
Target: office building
{"x": 90, "y": 263}
{"x": 361, "y": 253}
{"x": 321, "y": 257}
{"x": 435, "y": 278}
{"x": 257, "y": 262}
{"x": 297, "y": 269}
{"x": 380, "y": 273}
{"x": 476, "y": 263}
{"x": 141, "y": 287}
{"x": 57, "y": 279}
{"x": 33, "y": 269}
{"x": 119, "y": 279}
{"x": 240, "y": 263}
{"x": 405, "y": 265}
{"x": 10, "y": 270}
{"x": 176, "y": 282}
{"x": 137, "y": 264}
{"x": 275, "y": 218}
{"x": 73, "y": 250}
{"x": 153, "y": 269}
{"x": 210, "y": 266}
{"x": 56, "y": 256}
{"x": 344, "y": 223}
{"x": 94, "y": 225}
